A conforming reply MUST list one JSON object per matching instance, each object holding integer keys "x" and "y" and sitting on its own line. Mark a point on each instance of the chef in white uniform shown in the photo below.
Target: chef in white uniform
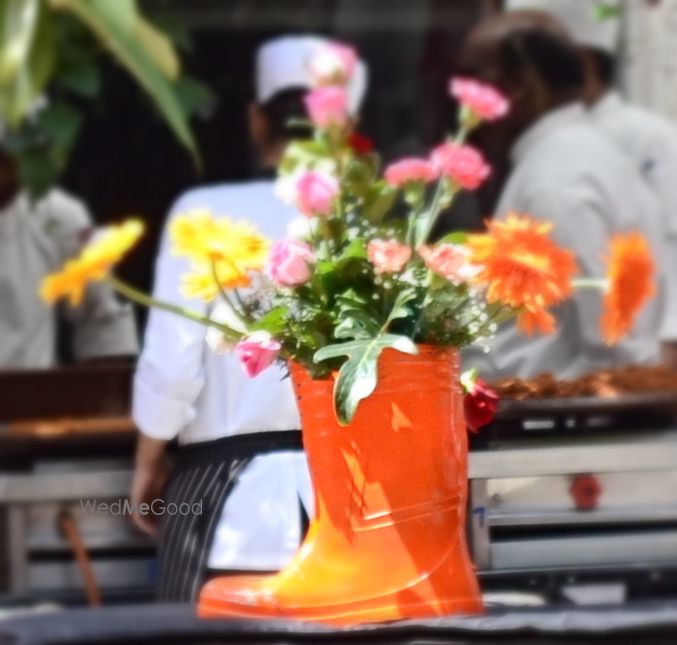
{"x": 240, "y": 452}
{"x": 563, "y": 171}
{"x": 36, "y": 238}
{"x": 648, "y": 139}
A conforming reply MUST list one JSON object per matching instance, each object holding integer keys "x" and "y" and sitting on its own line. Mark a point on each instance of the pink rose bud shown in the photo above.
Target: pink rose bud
{"x": 464, "y": 165}
{"x": 449, "y": 261}
{"x": 256, "y": 352}
{"x": 328, "y": 107}
{"x": 315, "y": 193}
{"x": 388, "y": 256}
{"x": 484, "y": 101}
{"x": 410, "y": 170}
{"x": 289, "y": 263}
{"x": 333, "y": 64}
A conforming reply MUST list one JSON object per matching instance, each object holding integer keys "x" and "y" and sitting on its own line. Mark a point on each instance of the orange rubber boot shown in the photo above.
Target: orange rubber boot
{"x": 388, "y": 538}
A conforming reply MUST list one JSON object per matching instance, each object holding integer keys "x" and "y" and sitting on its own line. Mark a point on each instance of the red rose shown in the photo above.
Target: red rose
{"x": 480, "y": 404}
{"x": 360, "y": 144}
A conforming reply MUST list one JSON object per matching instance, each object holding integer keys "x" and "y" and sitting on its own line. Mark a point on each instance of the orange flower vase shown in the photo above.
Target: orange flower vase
{"x": 388, "y": 539}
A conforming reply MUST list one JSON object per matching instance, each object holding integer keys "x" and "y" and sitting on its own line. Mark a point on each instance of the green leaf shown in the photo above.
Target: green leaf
{"x": 61, "y": 123}
{"x": 194, "y": 95}
{"x": 18, "y": 26}
{"x": 459, "y": 238}
{"x": 273, "y": 321}
{"x": 82, "y": 78}
{"x": 303, "y": 153}
{"x": 358, "y": 376}
{"x": 172, "y": 25}
{"x": 379, "y": 201}
{"x": 37, "y": 172}
{"x": 115, "y": 24}
{"x": 400, "y": 308}
{"x": 20, "y": 87}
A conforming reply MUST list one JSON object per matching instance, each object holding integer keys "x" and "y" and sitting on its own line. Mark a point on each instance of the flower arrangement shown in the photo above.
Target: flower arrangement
{"x": 353, "y": 279}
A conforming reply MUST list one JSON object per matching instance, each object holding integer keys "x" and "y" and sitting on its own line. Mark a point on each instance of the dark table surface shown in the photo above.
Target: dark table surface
{"x": 650, "y": 624}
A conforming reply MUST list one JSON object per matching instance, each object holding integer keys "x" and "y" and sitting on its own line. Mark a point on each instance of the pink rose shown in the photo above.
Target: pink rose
{"x": 315, "y": 193}
{"x": 411, "y": 169}
{"x": 328, "y": 106}
{"x": 289, "y": 263}
{"x": 388, "y": 256}
{"x": 485, "y": 101}
{"x": 464, "y": 165}
{"x": 333, "y": 64}
{"x": 449, "y": 261}
{"x": 256, "y": 352}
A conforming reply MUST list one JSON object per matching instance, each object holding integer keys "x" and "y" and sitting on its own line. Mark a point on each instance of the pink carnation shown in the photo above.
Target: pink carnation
{"x": 409, "y": 170}
{"x": 388, "y": 256}
{"x": 328, "y": 106}
{"x": 333, "y": 64}
{"x": 485, "y": 101}
{"x": 257, "y": 351}
{"x": 449, "y": 261}
{"x": 464, "y": 165}
{"x": 289, "y": 263}
{"x": 315, "y": 193}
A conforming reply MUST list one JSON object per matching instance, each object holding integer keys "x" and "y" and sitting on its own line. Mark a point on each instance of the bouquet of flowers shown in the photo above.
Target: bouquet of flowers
{"x": 358, "y": 273}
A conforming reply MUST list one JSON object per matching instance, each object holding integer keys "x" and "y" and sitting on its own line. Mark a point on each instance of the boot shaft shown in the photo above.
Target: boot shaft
{"x": 403, "y": 458}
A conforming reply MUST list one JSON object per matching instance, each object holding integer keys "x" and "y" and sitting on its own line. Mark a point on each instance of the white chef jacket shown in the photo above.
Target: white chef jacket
{"x": 184, "y": 389}
{"x": 651, "y": 143}
{"x": 567, "y": 173}
{"x": 35, "y": 240}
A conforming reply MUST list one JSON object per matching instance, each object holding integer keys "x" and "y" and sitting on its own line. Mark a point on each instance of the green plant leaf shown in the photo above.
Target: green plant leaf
{"x": 61, "y": 123}
{"x": 358, "y": 376}
{"x": 18, "y": 26}
{"x": 82, "y": 78}
{"x": 115, "y": 23}
{"x": 458, "y": 237}
{"x": 194, "y": 95}
{"x": 273, "y": 321}
{"x": 379, "y": 201}
{"x": 20, "y": 87}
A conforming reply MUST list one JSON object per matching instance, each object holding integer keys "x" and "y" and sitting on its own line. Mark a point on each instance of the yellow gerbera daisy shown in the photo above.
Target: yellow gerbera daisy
{"x": 201, "y": 282}
{"x": 201, "y": 236}
{"x": 94, "y": 263}
{"x": 221, "y": 251}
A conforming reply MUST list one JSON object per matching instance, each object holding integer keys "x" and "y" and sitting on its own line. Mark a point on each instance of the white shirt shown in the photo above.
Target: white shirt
{"x": 35, "y": 240}
{"x": 651, "y": 143}
{"x": 184, "y": 389}
{"x": 565, "y": 172}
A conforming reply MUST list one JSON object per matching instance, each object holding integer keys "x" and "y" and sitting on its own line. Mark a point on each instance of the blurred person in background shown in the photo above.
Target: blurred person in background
{"x": 648, "y": 139}
{"x": 37, "y": 237}
{"x": 565, "y": 172}
{"x": 240, "y": 450}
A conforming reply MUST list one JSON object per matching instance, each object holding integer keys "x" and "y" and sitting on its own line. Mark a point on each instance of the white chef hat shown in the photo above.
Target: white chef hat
{"x": 578, "y": 17}
{"x": 284, "y": 63}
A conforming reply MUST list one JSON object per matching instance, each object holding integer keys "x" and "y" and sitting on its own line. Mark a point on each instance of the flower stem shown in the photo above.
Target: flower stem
{"x": 239, "y": 314}
{"x": 600, "y": 284}
{"x": 143, "y": 299}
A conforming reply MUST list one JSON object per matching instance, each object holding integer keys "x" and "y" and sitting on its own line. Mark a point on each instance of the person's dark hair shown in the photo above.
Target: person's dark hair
{"x": 604, "y": 66}
{"x": 283, "y": 111}
{"x": 557, "y": 63}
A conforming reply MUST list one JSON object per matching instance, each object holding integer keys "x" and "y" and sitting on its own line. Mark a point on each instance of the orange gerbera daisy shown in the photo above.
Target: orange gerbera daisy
{"x": 523, "y": 268}
{"x": 94, "y": 263}
{"x": 630, "y": 277}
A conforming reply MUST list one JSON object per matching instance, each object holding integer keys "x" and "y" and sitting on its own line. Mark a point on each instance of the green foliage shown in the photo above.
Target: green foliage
{"x": 358, "y": 375}
{"x": 55, "y": 47}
